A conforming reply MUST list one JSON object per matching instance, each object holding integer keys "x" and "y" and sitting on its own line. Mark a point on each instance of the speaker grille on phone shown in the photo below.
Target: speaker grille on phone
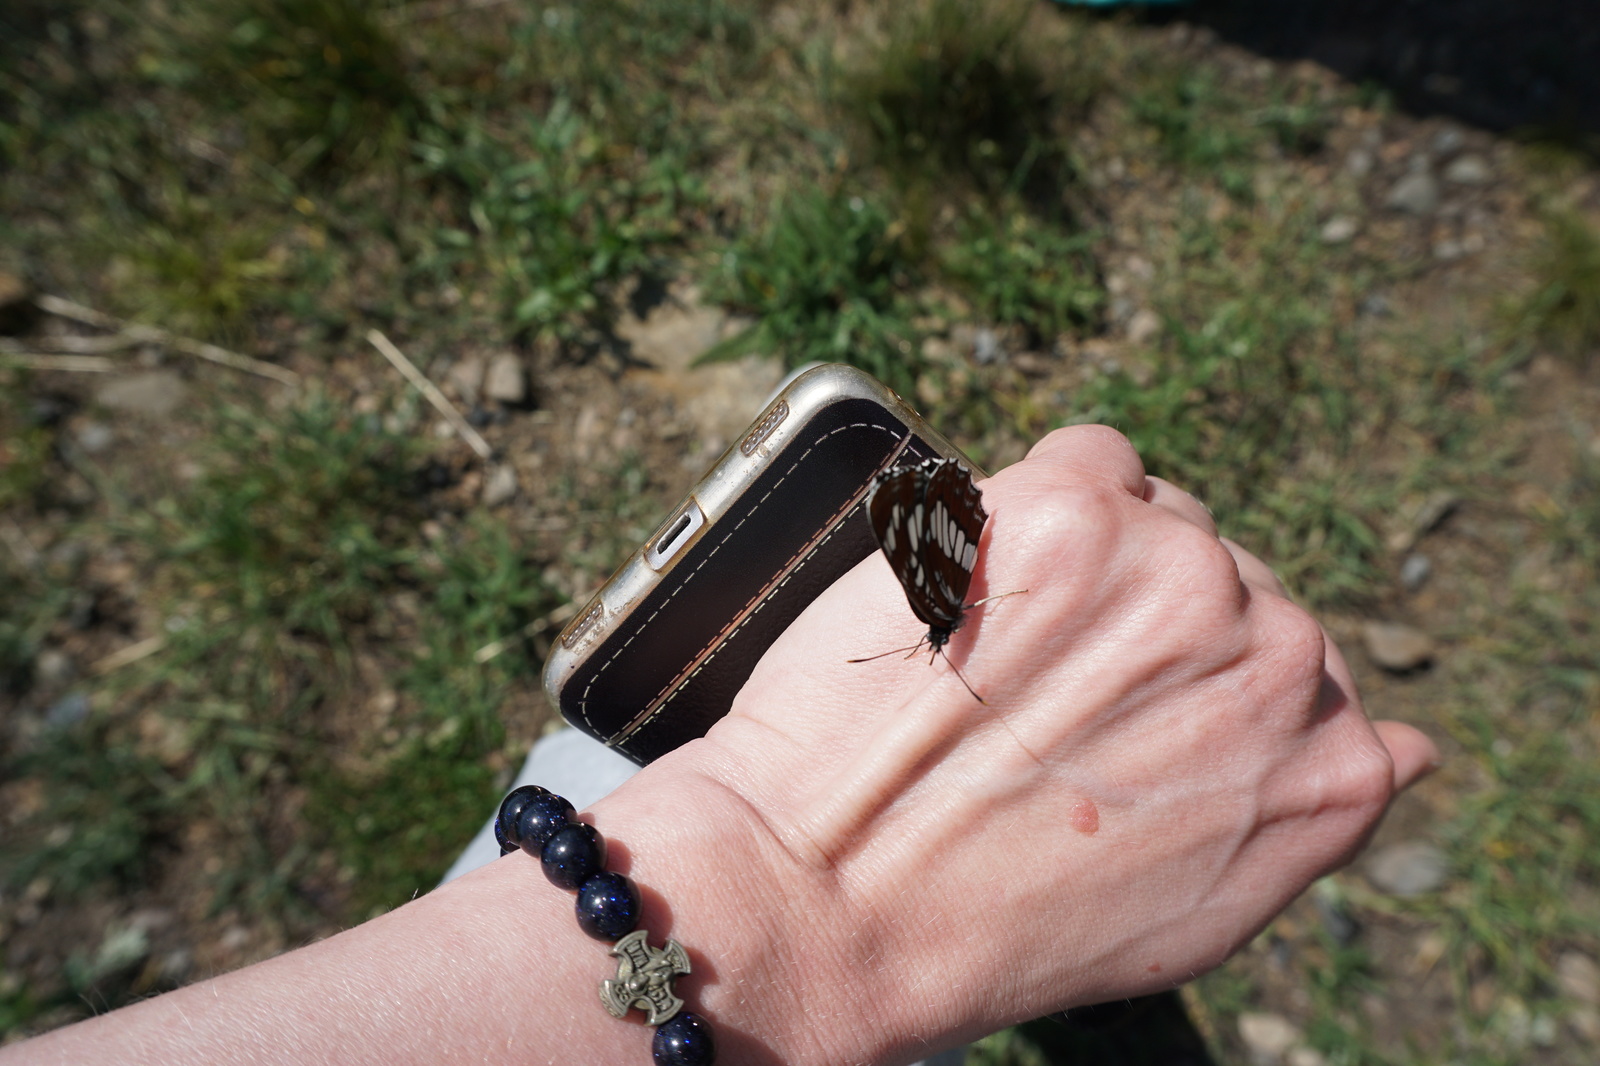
{"x": 763, "y": 429}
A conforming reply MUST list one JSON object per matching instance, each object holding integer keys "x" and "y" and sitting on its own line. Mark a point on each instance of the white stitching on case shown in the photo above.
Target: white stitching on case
{"x": 760, "y": 600}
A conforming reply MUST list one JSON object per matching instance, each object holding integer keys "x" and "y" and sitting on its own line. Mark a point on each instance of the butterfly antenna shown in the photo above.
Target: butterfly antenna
{"x": 991, "y": 599}
{"x": 882, "y": 654}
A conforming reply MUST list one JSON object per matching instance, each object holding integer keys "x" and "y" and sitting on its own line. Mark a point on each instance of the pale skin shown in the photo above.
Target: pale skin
{"x": 867, "y": 865}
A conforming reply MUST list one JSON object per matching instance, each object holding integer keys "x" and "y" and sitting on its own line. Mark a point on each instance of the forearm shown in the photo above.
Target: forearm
{"x": 493, "y": 967}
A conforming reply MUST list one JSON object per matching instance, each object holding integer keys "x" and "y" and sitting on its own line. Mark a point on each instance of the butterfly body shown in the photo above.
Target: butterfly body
{"x": 928, "y": 519}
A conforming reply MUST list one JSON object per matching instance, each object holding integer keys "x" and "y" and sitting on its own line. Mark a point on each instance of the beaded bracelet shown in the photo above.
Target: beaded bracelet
{"x": 572, "y": 854}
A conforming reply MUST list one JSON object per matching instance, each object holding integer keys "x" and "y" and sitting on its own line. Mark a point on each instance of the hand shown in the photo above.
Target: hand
{"x": 1171, "y": 751}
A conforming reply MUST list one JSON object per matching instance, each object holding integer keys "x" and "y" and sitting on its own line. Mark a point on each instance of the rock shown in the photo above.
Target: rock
{"x": 68, "y": 711}
{"x": 1415, "y": 571}
{"x": 1578, "y": 977}
{"x": 1359, "y": 163}
{"x": 1339, "y": 229}
{"x": 1415, "y": 194}
{"x": 1414, "y": 868}
{"x": 506, "y": 381}
{"x": 1376, "y": 305}
{"x": 1469, "y": 169}
{"x": 466, "y": 376}
{"x": 53, "y": 668}
{"x": 175, "y": 966}
{"x": 155, "y": 393}
{"x": 1304, "y": 1056}
{"x": 1586, "y": 1022}
{"x": 1396, "y": 646}
{"x": 986, "y": 347}
{"x": 1448, "y": 141}
{"x": 1144, "y": 326}
{"x": 500, "y": 485}
{"x": 1267, "y": 1036}
{"x": 95, "y": 437}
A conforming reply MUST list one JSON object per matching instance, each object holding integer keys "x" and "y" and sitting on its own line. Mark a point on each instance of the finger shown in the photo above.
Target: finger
{"x": 1091, "y": 452}
{"x": 1414, "y": 755}
{"x": 1167, "y": 496}
{"x": 1254, "y": 572}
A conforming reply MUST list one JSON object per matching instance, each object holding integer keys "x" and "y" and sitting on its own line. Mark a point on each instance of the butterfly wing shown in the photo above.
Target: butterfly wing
{"x": 927, "y": 519}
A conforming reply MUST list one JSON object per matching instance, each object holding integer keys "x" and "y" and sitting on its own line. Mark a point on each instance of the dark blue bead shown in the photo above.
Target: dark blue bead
{"x": 540, "y": 818}
{"x": 608, "y": 906}
{"x": 573, "y": 855}
{"x": 684, "y": 1040}
{"x": 505, "y": 823}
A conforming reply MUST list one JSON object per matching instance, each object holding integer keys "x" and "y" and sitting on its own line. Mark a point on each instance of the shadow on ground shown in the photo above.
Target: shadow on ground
{"x": 1531, "y": 66}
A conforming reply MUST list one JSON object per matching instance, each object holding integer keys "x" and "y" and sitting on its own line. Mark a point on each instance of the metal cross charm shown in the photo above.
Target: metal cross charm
{"x": 644, "y": 977}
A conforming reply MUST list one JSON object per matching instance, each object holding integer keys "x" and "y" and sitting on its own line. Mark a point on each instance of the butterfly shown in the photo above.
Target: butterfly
{"x": 928, "y": 519}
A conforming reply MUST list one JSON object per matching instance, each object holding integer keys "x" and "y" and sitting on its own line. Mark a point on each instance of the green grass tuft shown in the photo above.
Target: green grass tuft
{"x": 962, "y": 89}
{"x": 1017, "y": 270}
{"x": 828, "y": 280}
{"x": 1565, "y": 306}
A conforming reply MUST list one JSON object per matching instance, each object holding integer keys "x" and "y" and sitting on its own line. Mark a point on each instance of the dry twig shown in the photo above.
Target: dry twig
{"x": 135, "y": 334}
{"x": 127, "y": 656}
{"x": 23, "y": 359}
{"x": 420, "y": 380}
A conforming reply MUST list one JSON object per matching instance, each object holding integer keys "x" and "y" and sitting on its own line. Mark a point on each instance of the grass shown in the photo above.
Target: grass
{"x": 871, "y": 185}
{"x": 1564, "y": 308}
{"x": 829, "y": 280}
{"x": 962, "y": 89}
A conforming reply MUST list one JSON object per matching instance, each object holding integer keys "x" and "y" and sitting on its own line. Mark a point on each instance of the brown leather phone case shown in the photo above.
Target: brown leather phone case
{"x": 657, "y": 655}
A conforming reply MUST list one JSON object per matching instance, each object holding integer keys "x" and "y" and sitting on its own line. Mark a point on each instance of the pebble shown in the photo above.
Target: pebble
{"x": 1414, "y": 868}
{"x": 506, "y": 381}
{"x": 466, "y": 375}
{"x": 68, "y": 711}
{"x": 1448, "y": 141}
{"x": 1359, "y": 163}
{"x": 1415, "y": 571}
{"x": 1578, "y": 977}
{"x": 156, "y": 393}
{"x": 1469, "y": 169}
{"x": 1416, "y": 194}
{"x": 1396, "y": 646}
{"x": 52, "y": 668}
{"x": 1267, "y": 1036}
{"x": 1144, "y": 326}
{"x": 1305, "y": 1056}
{"x": 1339, "y": 229}
{"x": 986, "y": 347}
{"x": 1376, "y": 305}
{"x": 500, "y": 485}
{"x": 95, "y": 437}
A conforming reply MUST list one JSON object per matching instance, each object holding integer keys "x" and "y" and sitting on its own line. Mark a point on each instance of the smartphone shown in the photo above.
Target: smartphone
{"x": 656, "y": 656}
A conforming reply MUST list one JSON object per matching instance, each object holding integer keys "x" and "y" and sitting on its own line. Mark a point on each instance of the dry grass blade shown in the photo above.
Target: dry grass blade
{"x": 420, "y": 380}
{"x": 77, "y": 364}
{"x": 127, "y": 656}
{"x": 135, "y": 334}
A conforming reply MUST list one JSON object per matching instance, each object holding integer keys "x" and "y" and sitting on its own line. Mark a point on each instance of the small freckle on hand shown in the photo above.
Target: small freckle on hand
{"x": 1084, "y": 817}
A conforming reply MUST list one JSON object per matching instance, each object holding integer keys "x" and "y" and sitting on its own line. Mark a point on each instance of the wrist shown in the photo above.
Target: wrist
{"x": 771, "y": 943}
